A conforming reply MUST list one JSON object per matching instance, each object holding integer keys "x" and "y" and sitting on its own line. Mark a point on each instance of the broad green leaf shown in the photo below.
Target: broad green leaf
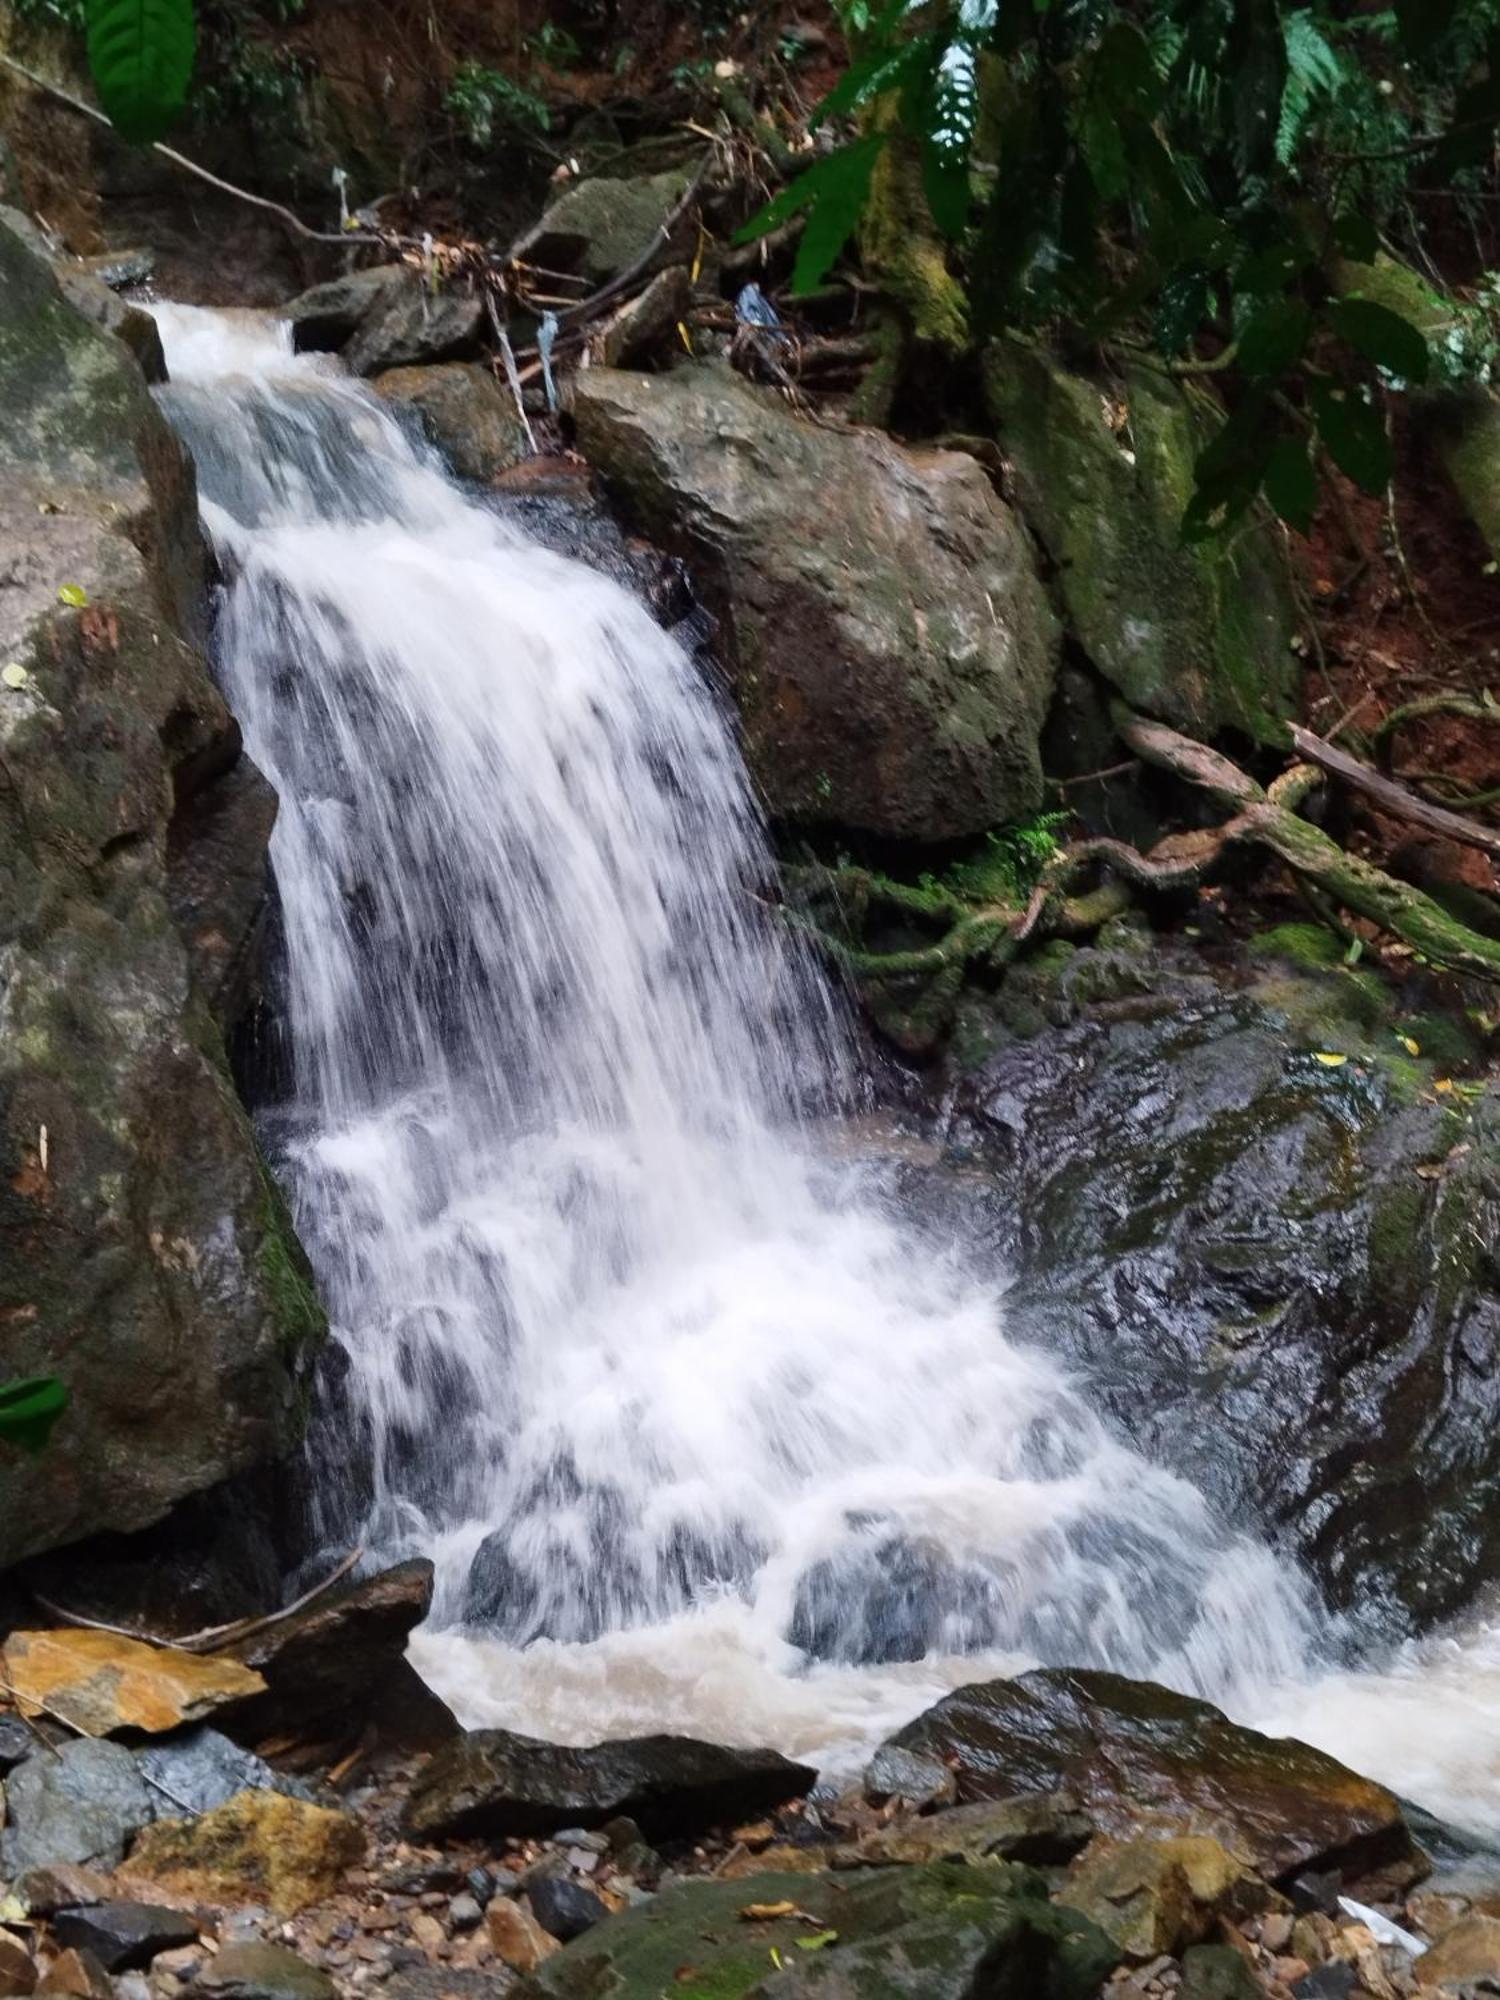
{"x": 29, "y": 1409}
{"x": 1274, "y": 338}
{"x": 1229, "y": 470}
{"x": 1125, "y": 71}
{"x": 834, "y": 191}
{"x": 874, "y": 74}
{"x": 1351, "y": 429}
{"x": 1383, "y": 337}
{"x": 141, "y": 56}
{"x": 952, "y": 116}
{"x": 72, "y": 594}
{"x": 1099, "y": 140}
{"x": 1291, "y": 483}
{"x": 1274, "y": 261}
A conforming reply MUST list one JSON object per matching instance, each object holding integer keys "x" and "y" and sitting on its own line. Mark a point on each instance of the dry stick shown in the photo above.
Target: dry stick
{"x": 177, "y": 159}
{"x": 1395, "y": 799}
{"x": 213, "y": 1638}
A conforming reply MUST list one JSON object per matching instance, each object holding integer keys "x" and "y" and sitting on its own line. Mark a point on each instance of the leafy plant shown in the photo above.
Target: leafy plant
{"x": 141, "y": 56}
{"x": 29, "y": 1410}
{"x": 479, "y": 98}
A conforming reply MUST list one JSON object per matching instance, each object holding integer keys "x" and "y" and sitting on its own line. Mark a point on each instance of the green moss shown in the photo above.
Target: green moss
{"x": 1303, "y": 944}
{"x": 286, "y": 1278}
{"x": 1447, "y": 1044}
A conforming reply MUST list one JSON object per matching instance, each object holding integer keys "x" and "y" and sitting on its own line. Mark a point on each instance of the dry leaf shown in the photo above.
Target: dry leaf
{"x": 766, "y": 1913}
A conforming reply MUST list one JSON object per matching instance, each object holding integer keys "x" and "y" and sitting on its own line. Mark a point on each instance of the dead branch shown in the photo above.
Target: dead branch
{"x": 214, "y": 1638}
{"x": 1394, "y": 799}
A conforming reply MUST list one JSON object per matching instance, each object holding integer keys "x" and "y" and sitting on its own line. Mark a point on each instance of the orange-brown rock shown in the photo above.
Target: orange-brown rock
{"x": 258, "y": 1848}
{"x": 1470, "y": 1951}
{"x": 102, "y": 1684}
{"x": 516, "y": 1937}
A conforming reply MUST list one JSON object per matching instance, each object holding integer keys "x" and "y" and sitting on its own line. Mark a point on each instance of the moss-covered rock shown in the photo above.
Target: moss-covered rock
{"x": 1199, "y": 636}
{"x": 601, "y": 227}
{"x": 931, "y": 1933}
{"x": 139, "y": 1259}
{"x": 890, "y": 643}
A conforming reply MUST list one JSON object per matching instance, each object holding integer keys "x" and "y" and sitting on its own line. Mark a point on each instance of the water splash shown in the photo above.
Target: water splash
{"x": 699, "y": 1431}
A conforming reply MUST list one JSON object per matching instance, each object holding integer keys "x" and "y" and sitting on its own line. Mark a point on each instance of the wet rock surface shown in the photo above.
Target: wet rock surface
{"x": 491, "y": 1781}
{"x": 1129, "y": 1750}
{"x": 461, "y": 410}
{"x": 123, "y": 1936}
{"x": 80, "y": 1802}
{"x": 892, "y": 657}
{"x": 103, "y": 1684}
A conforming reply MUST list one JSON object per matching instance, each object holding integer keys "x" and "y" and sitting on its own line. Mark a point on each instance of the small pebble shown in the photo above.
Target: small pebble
{"x": 481, "y": 1885}
{"x": 578, "y": 1836}
{"x": 464, "y": 1913}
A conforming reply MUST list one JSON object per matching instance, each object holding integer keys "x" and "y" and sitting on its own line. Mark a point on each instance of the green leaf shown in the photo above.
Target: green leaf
{"x": 1291, "y": 483}
{"x": 1351, "y": 429}
{"x": 874, "y": 74}
{"x": 1102, "y": 146}
{"x": 1125, "y": 71}
{"x": 1383, "y": 337}
{"x": 72, "y": 594}
{"x": 1229, "y": 470}
{"x": 819, "y": 1942}
{"x": 952, "y": 118}
{"x": 834, "y": 191}
{"x": 141, "y": 56}
{"x": 29, "y": 1409}
{"x": 1274, "y": 338}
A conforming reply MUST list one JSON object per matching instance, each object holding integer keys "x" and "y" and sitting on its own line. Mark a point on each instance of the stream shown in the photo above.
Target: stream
{"x": 699, "y": 1431}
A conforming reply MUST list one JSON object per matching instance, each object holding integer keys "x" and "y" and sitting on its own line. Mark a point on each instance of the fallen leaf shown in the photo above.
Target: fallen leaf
{"x": 1431, "y": 1171}
{"x": 14, "y": 674}
{"x": 1412, "y": 1048}
{"x": 74, "y": 594}
{"x": 1328, "y": 1059}
{"x": 1443, "y": 1085}
{"x": 766, "y": 1913}
{"x": 817, "y": 1943}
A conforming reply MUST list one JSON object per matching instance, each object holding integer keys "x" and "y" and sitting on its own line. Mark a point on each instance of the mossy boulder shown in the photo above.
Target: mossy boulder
{"x": 137, "y": 1241}
{"x": 889, "y": 641}
{"x": 1261, "y": 1217}
{"x": 1199, "y": 636}
{"x": 932, "y": 1933}
{"x": 602, "y": 227}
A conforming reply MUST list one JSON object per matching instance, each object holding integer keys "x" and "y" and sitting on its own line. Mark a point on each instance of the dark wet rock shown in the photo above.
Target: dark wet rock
{"x": 564, "y": 1908}
{"x": 249, "y": 1971}
{"x": 1217, "y": 1972}
{"x": 143, "y": 1252}
{"x": 463, "y": 412}
{"x": 328, "y": 315}
{"x": 123, "y": 1936}
{"x": 131, "y": 324}
{"x": 1128, "y": 1750}
{"x": 203, "y": 1769}
{"x": 409, "y": 323}
{"x": 644, "y": 323}
{"x": 932, "y": 1933}
{"x": 80, "y": 1803}
{"x": 601, "y": 227}
{"x": 1198, "y": 634}
{"x": 1261, "y": 1259}
{"x": 17, "y": 1740}
{"x": 898, "y": 1773}
{"x": 493, "y": 1782}
{"x": 216, "y": 877}
{"x": 341, "y": 1663}
{"x": 1043, "y": 1829}
{"x": 892, "y": 657}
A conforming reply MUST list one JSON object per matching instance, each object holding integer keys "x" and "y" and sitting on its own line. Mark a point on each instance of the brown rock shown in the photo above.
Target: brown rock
{"x": 102, "y": 1684}
{"x": 647, "y": 321}
{"x": 473, "y": 424}
{"x": 1156, "y": 1896}
{"x": 18, "y": 1973}
{"x": 1045, "y": 1829}
{"x": 259, "y": 1848}
{"x": 62, "y": 1886}
{"x": 80, "y": 1974}
{"x": 1471, "y": 1950}
{"x": 517, "y": 1938}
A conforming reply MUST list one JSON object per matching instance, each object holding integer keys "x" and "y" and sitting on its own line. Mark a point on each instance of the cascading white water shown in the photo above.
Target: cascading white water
{"x": 700, "y": 1433}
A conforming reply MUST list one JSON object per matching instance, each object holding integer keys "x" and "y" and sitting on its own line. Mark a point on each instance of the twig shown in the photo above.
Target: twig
{"x": 25, "y": 1701}
{"x": 508, "y": 355}
{"x": 214, "y": 1638}
{"x": 1395, "y": 799}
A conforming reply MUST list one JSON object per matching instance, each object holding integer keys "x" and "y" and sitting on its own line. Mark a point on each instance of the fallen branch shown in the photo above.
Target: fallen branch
{"x": 213, "y": 1638}
{"x": 1394, "y": 799}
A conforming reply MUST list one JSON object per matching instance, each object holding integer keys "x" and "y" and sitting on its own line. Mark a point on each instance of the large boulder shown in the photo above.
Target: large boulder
{"x": 1131, "y": 1751}
{"x": 1243, "y": 1210}
{"x": 890, "y": 642}
{"x": 933, "y": 1933}
{"x": 1197, "y": 635}
{"x": 460, "y": 410}
{"x": 144, "y": 1255}
{"x": 602, "y": 227}
{"x": 491, "y": 1781}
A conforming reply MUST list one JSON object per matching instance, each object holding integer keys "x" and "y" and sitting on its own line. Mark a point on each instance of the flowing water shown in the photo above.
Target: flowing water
{"x": 700, "y": 1433}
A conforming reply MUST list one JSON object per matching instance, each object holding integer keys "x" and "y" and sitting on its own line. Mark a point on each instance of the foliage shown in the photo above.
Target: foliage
{"x": 141, "y": 55}
{"x": 29, "y": 1410}
{"x": 1010, "y": 864}
{"x": 479, "y": 97}
{"x": 1207, "y": 172}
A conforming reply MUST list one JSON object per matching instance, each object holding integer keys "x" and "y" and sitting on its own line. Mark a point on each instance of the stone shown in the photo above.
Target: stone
{"x": 323, "y": 318}
{"x": 493, "y": 1782}
{"x": 79, "y": 1974}
{"x": 1217, "y": 1972}
{"x": 1045, "y": 1830}
{"x": 202, "y": 1769}
{"x": 1197, "y": 634}
{"x": 465, "y": 1914}
{"x": 408, "y": 323}
{"x": 79, "y": 1804}
{"x": 565, "y": 1909}
{"x": 136, "y": 328}
{"x": 62, "y": 1886}
{"x": 249, "y": 1971}
{"x": 259, "y": 1848}
{"x": 18, "y": 1970}
{"x": 895, "y": 1773}
{"x": 102, "y": 1684}
{"x": 461, "y": 410}
{"x": 17, "y": 1741}
{"x": 1469, "y": 1951}
{"x": 602, "y": 227}
{"x": 893, "y": 655}
{"x": 340, "y": 1663}
{"x": 1156, "y": 1896}
{"x": 1128, "y": 1749}
{"x": 933, "y": 1933}
{"x": 648, "y": 321}
{"x": 1142, "y": 1154}
{"x": 143, "y": 1253}
{"x": 516, "y": 1937}
{"x": 124, "y": 1936}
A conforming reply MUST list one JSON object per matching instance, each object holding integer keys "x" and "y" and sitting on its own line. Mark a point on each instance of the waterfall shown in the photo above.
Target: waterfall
{"x": 699, "y": 1431}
